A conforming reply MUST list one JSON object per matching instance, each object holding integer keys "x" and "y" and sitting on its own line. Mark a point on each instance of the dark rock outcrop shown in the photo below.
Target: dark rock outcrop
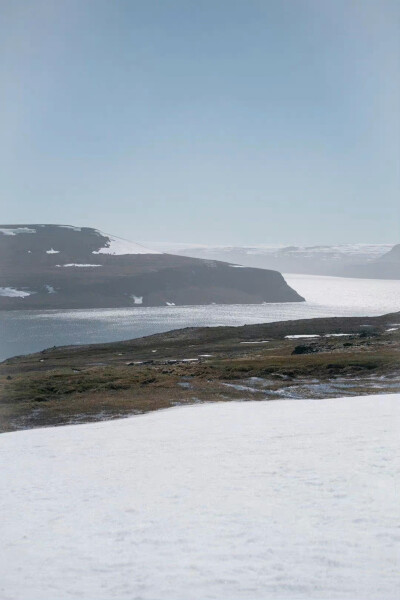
{"x": 304, "y": 349}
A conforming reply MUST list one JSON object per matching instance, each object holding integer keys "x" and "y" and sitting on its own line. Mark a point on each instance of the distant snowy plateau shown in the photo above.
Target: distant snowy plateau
{"x": 254, "y": 500}
{"x": 376, "y": 261}
{"x": 62, "y": 266}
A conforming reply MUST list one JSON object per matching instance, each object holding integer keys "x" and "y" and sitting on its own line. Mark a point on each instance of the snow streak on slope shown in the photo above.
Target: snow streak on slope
{"x": 257, "y": 500}
{"x": 16, "y": 230}
{"x": 13, "y": 293}
{"x": 78, "y": 265}
{"x": 120, "y": 246}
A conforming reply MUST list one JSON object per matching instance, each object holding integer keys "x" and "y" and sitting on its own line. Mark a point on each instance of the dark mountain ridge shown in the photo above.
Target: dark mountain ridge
{"x": 62, "y": 266}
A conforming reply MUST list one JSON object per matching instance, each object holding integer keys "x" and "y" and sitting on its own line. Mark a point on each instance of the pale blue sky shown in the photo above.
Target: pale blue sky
{"x": 213, "y": 121}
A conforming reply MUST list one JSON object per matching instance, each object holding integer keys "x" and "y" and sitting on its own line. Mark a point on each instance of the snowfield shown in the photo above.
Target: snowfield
{"x": 372, "y": 251}
{"x": 256, "y": 500}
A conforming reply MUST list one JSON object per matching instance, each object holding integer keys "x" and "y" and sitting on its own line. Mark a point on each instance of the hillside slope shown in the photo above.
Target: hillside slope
{"x": 306, "y": 358}
{"x": 60, "y": 266}
{"x": 385, "y": 267}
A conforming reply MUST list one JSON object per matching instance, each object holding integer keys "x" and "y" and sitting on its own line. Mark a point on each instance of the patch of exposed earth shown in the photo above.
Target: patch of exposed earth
{"x": 313, "y": 358}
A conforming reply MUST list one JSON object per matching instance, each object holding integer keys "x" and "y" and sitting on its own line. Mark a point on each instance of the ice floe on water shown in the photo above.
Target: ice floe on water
{"x": 258, "y": 500}
{"x": 50, "y": 289}
{"x": 14, "y": 293}
{"x": 137, "y": 299}
{"x": 52, "y": 251}
{"x": 16, "y": 230}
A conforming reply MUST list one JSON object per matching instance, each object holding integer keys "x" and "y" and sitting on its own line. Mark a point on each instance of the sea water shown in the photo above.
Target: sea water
{"x": 23, "y": 332}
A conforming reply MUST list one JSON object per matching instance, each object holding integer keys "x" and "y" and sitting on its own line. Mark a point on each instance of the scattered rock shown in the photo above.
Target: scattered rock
{"x": 368, "y": 333}
{"x": 304, "y": 349}
{"x": 148, "y": 381}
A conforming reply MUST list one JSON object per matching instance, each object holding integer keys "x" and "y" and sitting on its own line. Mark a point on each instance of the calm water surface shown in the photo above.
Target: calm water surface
{"x": 23, "y": 332}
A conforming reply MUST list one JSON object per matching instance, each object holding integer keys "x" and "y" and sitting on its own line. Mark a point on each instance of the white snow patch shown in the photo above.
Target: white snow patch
{"x": 69, "y": 227}
{"x": 337, "y": 334}
{"x": 238, "y": 266}
{"x": 137, "y": 299}
{"x": 16, "y": 230}
{"x": 297, "y": 337}
{"x": 392, "y": 329}
{"x": 119, "y": 246}
{"x": 287, "y": 499}
{"x": 10, "y": 292}
{"x": 52, "y": 251}
{"x": 78, "y": 265}
{"x": 256, "y": 342}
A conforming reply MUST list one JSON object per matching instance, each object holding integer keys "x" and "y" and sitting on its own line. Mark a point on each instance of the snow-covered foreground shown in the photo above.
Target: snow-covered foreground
{"x": 256, "y": 500}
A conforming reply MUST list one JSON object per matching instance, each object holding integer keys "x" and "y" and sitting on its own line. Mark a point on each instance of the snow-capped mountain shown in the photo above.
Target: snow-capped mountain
{"x": 348, "y": 260}
{"x": 62, "y": 266}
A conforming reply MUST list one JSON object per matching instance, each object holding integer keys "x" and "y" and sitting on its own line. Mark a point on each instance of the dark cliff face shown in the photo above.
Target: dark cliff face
{"x": 53, "y": 266}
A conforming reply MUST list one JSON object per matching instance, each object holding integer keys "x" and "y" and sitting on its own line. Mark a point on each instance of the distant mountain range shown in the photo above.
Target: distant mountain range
{"x": 377, "y": 261}
{"x": 62, "y": 266}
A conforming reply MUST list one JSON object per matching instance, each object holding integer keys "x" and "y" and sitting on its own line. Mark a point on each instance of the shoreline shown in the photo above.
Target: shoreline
{"x": 339, "y": 356}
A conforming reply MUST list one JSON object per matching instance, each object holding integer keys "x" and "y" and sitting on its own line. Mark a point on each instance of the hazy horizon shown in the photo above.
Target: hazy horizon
{"x": 199, "y": 243}
{"x": 231, "y": 123}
